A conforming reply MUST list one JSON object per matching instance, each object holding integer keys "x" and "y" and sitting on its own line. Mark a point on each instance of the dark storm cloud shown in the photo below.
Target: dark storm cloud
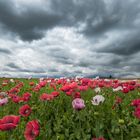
{"x": 117, "y": 16}
{"x": 97, "y": 16}
{"x": 92, "y": 13}
{"x": 29, "y": 23}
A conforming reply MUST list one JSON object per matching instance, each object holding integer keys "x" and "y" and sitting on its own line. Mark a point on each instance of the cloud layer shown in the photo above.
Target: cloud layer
{"x": 70, "y": 37}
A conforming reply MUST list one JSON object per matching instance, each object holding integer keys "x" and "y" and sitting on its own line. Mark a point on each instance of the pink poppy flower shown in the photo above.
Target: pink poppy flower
{"x": 78, "y": 104}
{"x": 3, "y": 101}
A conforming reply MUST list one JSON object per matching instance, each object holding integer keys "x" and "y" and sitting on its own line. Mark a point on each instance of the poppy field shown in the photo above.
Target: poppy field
{"x": 69, "y": 109}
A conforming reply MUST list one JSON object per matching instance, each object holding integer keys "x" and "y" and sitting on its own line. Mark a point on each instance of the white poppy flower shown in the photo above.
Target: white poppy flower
{"x": 97, "y": 100}
{"x": 30, "y": 77}
{"x": 12, "y": 80}
{"x": 41, "y": 79}
{"x": 3, "y": 94}
{"x": 118, "y": 88}
{"x": 68, "y": 80}
{"x": 107, "y": 80}
{"x": 97, "y": 77}
{"x": 97, "y": 90}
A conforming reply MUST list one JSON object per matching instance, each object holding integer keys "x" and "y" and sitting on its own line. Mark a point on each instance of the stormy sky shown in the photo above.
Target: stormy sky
{"x": 69, "y": 38}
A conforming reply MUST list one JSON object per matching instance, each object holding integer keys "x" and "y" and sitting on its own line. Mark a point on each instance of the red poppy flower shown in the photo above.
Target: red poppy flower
{"x": 77, "y": 95}
{"x": 55, "y": 93}
{"x": 43, "y": 83}
{"x": 26, "y": 96}
{"x": 47, "y": 97}
{"x": 37, "y": 88}
{"x": 25, "y": 110}
{"x": 31, "y": 83}
{"x": 9, "y": 122}
{"x": 137, "y": 112}
{"x": 16, "y": 99}
{"x": 69, "y": 93}
{"x": 32, "y": 130}
{"x": 4, "y": 84}
{"x": 73, "y": 85}
{"x": 100, "y": 138}
{"x": 14, "y": 90}
{"x": 133, "y": 82}
{"x": 116, "y": 81}
{"x": 135, "y": 102}
{"x": 65, "y": 88}
{"x": 118, "y": 100}
{"x": 85, "y": 81}
{"x": 101, "y": 84}
{"x": 83, "y": 88}
{"x": 125, "y": 90}
{"x": 131, "y": 87}
{"x": 52, "y": 85}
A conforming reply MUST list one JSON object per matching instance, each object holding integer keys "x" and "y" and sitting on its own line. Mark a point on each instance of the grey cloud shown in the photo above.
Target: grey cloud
{"x": 64, "y": 61}
{"x": 125, "y": 46}
{"x": 5, "y": 51}
{"x": 61, "y": 55}
{"x": 135, "y": 68}
{"x": 84, "y": 64}
{"x": 19, "y": 69}
{"x": 33, "y": 70}
{"x": 53, "y": 70}
{"x": 13, "y": 65}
